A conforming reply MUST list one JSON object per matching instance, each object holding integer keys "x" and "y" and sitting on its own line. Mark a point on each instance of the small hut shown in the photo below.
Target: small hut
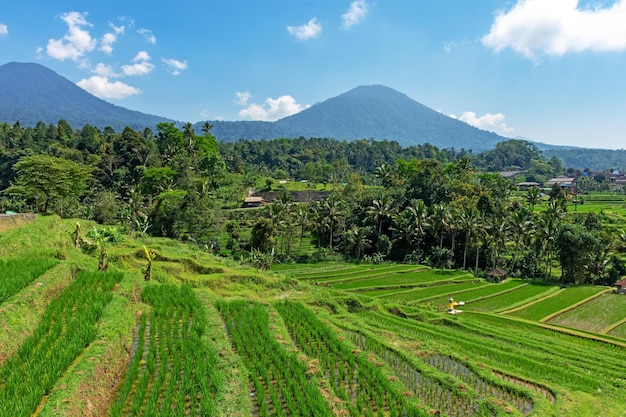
{"x": 620, "y": 286}
{"x": 253, "y": 201}
{"x": 497, "y": 275}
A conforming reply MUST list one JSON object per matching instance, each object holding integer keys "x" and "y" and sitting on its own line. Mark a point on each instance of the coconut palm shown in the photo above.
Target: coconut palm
{"x": 380, "y": 210}
{"x": 357, "y": 240}
{"x": 468, "y": 220}
{"x": 332, "y": 214}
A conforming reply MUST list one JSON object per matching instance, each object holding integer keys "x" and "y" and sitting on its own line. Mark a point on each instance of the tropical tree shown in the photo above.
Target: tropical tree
{"x": 533, "y": 197}
{"x": 469, "y": 221}
{"x": 380, "y": 210}
{"x": 521, "y": 223}
{"x": 45, "y": 180}
{"x": 332, "y": 213}
{"x": 302, "y": 221}
{"x": 439, "y": 221}
{"x": 357, "y": 240}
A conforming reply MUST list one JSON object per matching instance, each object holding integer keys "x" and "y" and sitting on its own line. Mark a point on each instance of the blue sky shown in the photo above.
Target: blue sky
{"x": 548, "y": 70}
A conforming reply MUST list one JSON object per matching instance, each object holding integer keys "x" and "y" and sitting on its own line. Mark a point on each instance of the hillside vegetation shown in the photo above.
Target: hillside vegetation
{"x": 207, "y": 336}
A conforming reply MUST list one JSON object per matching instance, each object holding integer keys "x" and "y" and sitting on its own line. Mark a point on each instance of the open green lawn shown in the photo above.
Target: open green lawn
{"x": 556, "y": 302}
{"x": 595, "y": 315}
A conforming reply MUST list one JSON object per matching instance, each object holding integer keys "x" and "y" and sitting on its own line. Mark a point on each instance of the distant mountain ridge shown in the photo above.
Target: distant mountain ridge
{"x": 30, "y": 93}
{"x": 365, "y": 112}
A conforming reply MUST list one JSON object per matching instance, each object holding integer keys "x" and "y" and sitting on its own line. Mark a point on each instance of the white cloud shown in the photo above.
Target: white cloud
{"x": 4, "y": 29}
{"x": 108, "y": 39}
{"x": 141, "y": 56}
{"x": 104, "y": 70}
{"x": 141, "y": 65}
{"x": 355, "y": 14}
{"x": 76, "y": 42}
{"x": 175, "y": 65}
{"x": 556, "y": 27}
{"x": 103, "y": 88}
{"x": 273, "y": 109}
{"x": 147, "y": 34}
{"x": 140, "y": 68}
{"x": 309, "y": 30}
{"x": 492, "y": 122}
{"x": 242, "y": 98}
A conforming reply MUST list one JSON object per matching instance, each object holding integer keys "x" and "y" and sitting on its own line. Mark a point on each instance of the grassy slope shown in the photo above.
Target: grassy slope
{"x": 88, "y": 386}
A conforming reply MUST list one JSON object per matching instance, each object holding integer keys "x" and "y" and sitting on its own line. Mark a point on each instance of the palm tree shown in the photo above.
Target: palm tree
{"x": 357, "y": 241}
{"x": 482, "y": 237}
{"x": 499, "y": 228}
{"x": 332, "y": 213}
{"x": 521, "y": 224}
{"x": 301, "y": 220}
{"x": 206, "y": 128}
{"x": 533, "y": 197}
{"x": 380, "y": 210}
{"x": 439, "y": 221}
{"x": 469, "y": 222}
{"x": 410, "y": 224}
{"x": 190, "y": 136}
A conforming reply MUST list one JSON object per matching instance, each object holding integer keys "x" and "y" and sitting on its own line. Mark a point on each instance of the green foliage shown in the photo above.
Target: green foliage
{"x": 262, "y": 237}
{"x": 49, "y": 180}
{"x": 16, "y": 273}
{"x": 68, "y": 326}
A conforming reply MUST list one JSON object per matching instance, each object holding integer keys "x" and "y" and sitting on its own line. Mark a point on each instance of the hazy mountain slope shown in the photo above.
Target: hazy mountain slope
{"x": 30, "y": 93}
{"x": 382, "y": 113}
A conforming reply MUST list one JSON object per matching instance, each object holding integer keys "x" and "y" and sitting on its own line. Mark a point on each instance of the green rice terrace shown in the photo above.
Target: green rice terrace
{"x": 207, "y": 336}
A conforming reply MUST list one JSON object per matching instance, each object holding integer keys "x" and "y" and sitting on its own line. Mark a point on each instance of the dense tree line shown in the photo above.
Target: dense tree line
{"x": 417, "y": 204}
{"x": 159, "y": 182}
{"x": 448, "y": 216}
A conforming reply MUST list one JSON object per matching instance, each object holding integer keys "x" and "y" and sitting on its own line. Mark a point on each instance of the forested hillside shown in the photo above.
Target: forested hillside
{"x": 594, "y": 159}
{"x": 383, "y": 202}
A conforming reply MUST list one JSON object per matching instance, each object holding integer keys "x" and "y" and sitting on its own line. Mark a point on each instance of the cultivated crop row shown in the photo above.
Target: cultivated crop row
{"x": 365, "y": 271}
{"x": 449, "y": 398}
{"x": 17, "y": 273}
{"x": 281, "y": 384}
{"x": 487, "y": 291}
{"x": 355, "y": 378}
{"x": 501, "y": 348}
{"x": 557, "y": 302}
{"x": 582, "y": 352}
{"x": 416, "y": 279}
{"x": 67, "y": 327}
{"x": 433, "y": 291}
{"x": 172, "y": 370}
{"x": 519, "y": 296}
{"x": 594, "y": 315}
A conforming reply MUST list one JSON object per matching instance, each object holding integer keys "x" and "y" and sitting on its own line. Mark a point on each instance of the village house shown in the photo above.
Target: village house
{"x": 252, "y": 201}
{"x": 620, "y": 286}
{"x": 562, "y": 180}
{"x": 527, "y": 185}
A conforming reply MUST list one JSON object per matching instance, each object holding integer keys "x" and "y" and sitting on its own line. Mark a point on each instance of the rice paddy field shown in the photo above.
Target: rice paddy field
{"x": 211, "y": 337}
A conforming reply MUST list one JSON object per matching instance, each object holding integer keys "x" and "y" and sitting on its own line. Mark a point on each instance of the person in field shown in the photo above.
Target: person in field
{"x": 452, "y": 304}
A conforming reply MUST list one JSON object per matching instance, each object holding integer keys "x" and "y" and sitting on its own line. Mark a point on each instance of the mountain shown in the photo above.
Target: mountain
{"x": 30, "y": 93}
{"x": 365, "y": 112}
